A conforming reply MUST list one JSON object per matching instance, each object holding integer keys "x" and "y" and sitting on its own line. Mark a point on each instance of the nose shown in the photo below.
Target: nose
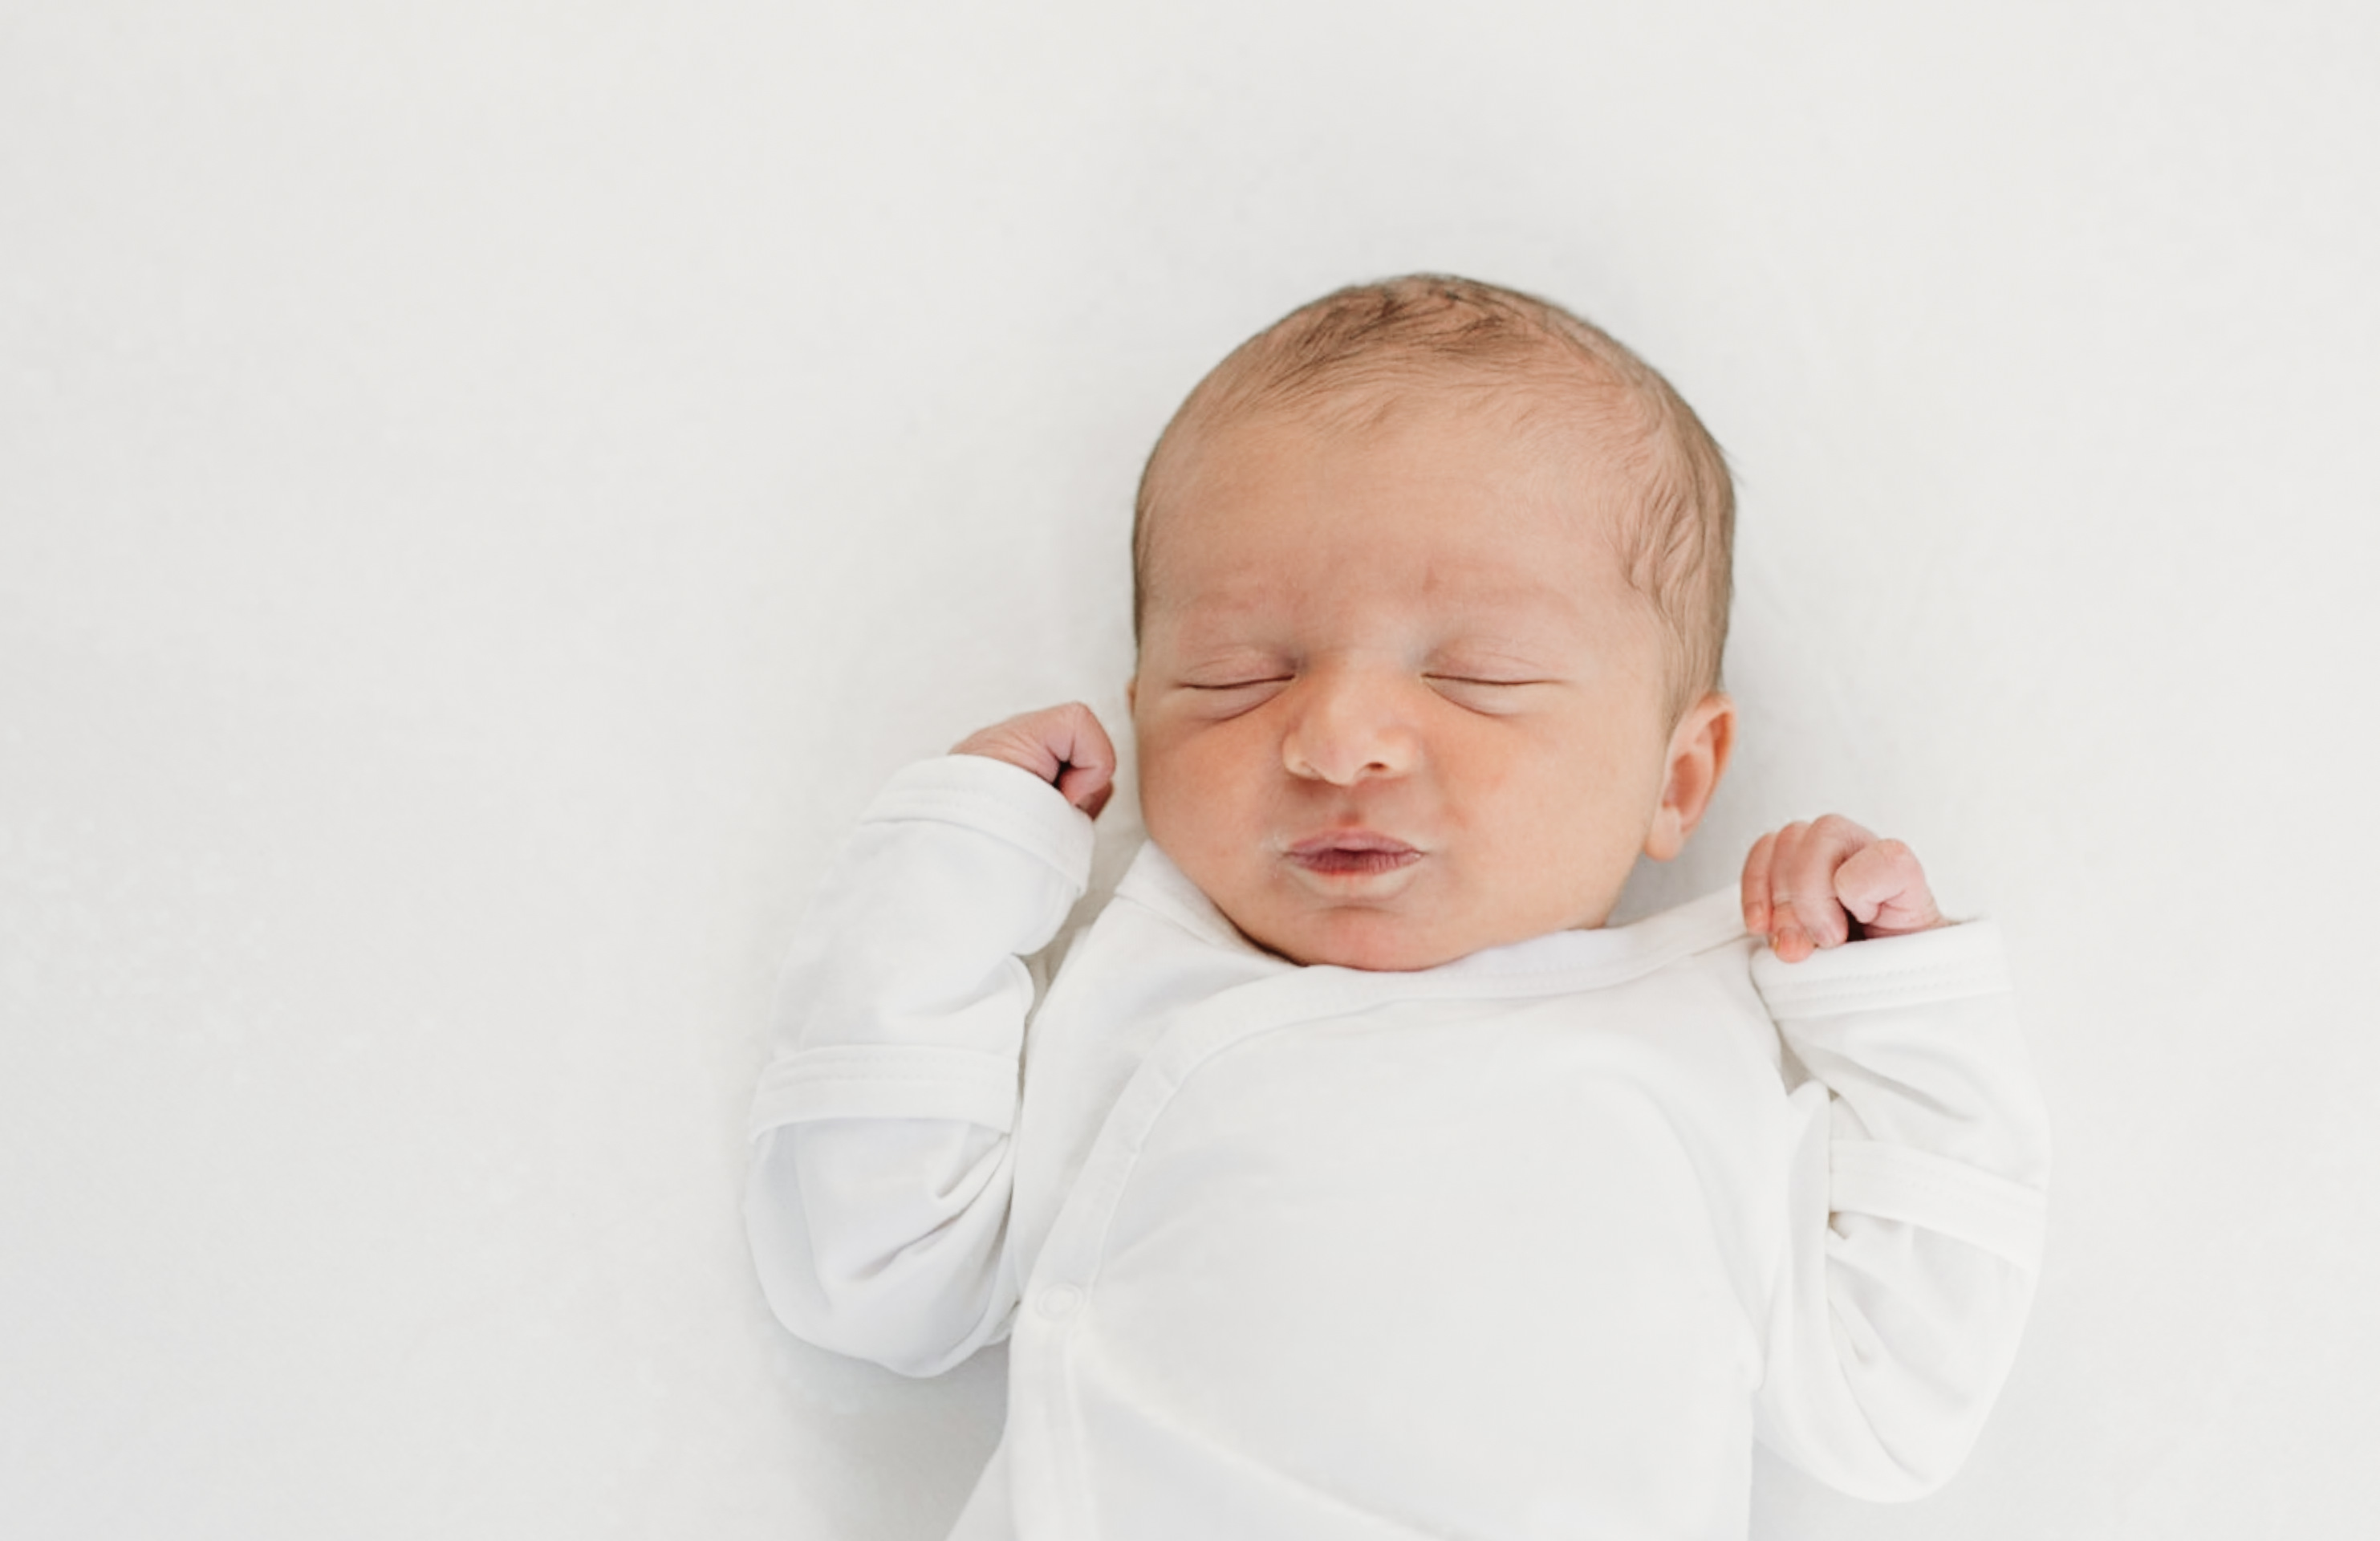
{"x": 1348, "y": 724}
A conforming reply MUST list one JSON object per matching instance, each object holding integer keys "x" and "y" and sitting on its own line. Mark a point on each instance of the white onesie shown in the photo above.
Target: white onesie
{"x": 1530, "y": 1244}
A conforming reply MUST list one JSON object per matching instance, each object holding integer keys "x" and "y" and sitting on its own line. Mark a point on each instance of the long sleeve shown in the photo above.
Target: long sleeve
{"x": 1920, "y": 1161}
{"x": 877, "y": 1199}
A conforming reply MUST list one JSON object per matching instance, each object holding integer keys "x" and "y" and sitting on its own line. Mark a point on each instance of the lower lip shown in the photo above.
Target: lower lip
{"x": 1356, "y": 864}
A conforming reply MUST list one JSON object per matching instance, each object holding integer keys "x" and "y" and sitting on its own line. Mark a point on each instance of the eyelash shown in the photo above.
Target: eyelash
{"x": 1434, "y": 679}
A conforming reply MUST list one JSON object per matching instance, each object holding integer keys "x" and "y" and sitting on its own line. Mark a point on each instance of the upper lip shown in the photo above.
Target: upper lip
{"x": 1351, "y": 840}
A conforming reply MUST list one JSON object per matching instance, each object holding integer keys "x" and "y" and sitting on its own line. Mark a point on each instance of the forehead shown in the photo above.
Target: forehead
{"x": 1426, "y": 500}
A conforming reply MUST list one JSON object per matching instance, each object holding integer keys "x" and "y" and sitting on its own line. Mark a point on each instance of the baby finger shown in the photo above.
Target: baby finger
{"x": 1756, "y": 885}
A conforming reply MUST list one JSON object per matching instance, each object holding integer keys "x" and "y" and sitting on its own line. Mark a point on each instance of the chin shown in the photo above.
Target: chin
{"x": 1374, "y": 942}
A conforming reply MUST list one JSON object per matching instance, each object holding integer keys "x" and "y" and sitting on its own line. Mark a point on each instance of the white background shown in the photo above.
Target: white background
{"x": 488, "y": 488}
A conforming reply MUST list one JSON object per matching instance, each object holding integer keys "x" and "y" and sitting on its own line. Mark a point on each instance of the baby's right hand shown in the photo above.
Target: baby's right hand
{"x": 1063, "y": 744}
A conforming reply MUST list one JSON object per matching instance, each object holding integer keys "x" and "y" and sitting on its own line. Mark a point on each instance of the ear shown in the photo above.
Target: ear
{"x": 1699, "y": 747}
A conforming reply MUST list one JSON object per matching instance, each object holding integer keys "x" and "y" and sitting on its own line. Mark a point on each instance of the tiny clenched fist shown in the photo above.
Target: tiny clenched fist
{"x": 1828, "y": 881}
{"x": 1063, "y": 744}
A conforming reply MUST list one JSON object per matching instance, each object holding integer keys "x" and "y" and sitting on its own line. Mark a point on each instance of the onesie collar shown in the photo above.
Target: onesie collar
{"x": 1714, "y": 921}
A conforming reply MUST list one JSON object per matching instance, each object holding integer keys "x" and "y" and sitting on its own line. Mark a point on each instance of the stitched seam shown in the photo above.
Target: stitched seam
{"x": 960, "y": 1078}
{"x": 1973, "y": 984}
{"x": 1863, "y": 992}
{"x": 838, "y": 1052}
{"x": 1867, "y": 974}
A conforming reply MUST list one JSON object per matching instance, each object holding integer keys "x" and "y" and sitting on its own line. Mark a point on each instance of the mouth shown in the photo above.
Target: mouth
{"x": 1352, "y": 853}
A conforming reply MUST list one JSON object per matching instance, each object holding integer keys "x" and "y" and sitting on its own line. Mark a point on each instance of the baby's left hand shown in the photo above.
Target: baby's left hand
{"x": 1826, "y": 882}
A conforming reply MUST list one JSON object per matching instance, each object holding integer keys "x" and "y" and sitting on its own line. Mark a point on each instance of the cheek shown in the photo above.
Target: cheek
{"x": 1514, "y": 773}
{"x": 1199, "y": 784}
{"x": 1482, "y": 757}
{"x": 1545, "y": 789}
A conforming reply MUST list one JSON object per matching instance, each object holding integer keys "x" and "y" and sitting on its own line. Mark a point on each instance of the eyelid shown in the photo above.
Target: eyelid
{"x": 1477, "y": 679}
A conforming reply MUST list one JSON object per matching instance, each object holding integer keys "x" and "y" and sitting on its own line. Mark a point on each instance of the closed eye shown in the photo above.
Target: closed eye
{"x": 1469, "y": 679}
{"x": 1485, "y": 695}
{"x": 1219, "y": 700}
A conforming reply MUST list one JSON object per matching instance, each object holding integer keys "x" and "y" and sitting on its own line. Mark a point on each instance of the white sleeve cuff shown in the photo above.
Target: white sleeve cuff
{"x": 977, "y": 792}
{"x": 1880, "y": 974}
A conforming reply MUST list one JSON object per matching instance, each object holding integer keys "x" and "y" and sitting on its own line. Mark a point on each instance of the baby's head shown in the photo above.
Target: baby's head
{"x": 1431, "y": 587}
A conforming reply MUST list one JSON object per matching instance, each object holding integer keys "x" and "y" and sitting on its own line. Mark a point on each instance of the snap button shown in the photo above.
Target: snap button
{"x": 1059, "y": 1302}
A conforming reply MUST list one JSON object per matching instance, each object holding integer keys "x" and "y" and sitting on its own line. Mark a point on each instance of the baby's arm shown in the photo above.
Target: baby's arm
{"x": 877, "y": 1201}
{"x": 1919, "y": 1157}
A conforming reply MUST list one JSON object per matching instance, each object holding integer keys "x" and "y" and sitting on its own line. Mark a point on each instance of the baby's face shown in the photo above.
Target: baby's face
{"x": 1397, "y": 702}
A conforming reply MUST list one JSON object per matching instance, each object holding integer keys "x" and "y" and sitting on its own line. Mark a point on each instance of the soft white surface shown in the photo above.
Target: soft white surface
{"x": 487, "y": 491}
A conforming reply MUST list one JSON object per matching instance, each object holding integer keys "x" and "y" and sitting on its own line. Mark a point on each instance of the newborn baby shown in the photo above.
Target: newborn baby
{"x": 1352, "y": 1178}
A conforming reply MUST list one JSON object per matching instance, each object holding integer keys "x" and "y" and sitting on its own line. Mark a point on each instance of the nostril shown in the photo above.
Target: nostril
{"x": 1342, "y": 731}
